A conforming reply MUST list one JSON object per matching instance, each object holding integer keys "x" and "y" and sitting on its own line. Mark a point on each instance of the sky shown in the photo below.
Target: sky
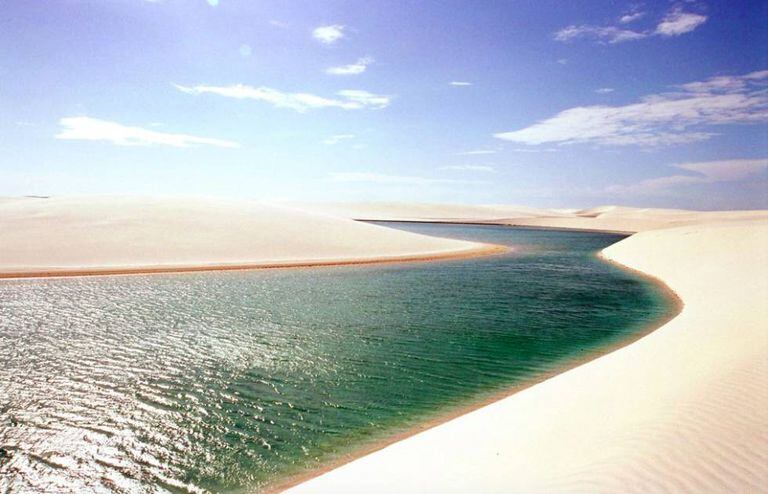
{"x": 542, "y": 103}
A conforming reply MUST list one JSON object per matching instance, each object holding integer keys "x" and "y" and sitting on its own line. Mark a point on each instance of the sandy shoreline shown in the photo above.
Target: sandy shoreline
{"x": 683, "y": 408}
{"x": 82, "y": 236}
{"x": 367, "y": 449}
{"x": 542, "y": 226}
{"x": 481, "y": 251}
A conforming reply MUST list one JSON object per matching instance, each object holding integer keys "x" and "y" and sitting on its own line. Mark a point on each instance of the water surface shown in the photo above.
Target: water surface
{"x": 227, "y": 381}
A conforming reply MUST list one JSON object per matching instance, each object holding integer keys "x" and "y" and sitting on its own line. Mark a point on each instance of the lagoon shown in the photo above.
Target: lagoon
{"x": 231, "y": 381}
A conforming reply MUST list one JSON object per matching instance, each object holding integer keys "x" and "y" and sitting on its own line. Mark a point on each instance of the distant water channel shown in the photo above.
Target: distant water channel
{"x": 227, "y": 381}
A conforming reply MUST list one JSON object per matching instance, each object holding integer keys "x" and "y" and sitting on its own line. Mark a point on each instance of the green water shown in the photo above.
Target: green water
{"x": 227, "y": 381}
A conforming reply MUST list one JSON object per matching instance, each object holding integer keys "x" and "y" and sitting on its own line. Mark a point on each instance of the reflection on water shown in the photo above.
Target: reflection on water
{"x": 225, "y": 381}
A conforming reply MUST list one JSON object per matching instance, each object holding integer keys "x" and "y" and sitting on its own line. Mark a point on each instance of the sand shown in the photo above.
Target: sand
{"x": 604, "y": 218}
{"x": 445, "y": 213}
{"x": 112, "y": 235}
{"x": 683, "y": 409}
{"x": 631, "y": 220}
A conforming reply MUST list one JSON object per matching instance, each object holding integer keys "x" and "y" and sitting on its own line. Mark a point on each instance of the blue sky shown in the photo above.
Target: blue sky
{"x": 545, "y": 103}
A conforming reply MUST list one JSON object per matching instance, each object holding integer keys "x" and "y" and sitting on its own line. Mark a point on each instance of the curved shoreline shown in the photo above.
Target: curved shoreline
{"x": 682, "y": 408}
{"x": 481, "y": 251}
{"x": 676, "y": 307}
{"x": 114, "y": 235}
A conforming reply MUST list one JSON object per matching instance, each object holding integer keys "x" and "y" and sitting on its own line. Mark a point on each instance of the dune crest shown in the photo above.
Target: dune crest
{"x": 603, "y": 218}
{"x": 106, "y": 235}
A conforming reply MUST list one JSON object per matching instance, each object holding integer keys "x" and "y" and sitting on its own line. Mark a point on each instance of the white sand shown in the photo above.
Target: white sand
{"x": 612, "y": 218}
{"x": 604, "y": 218}
{"x": 404, "y": 211}
{"x": 85, "y": 235}
{"x": 684, "y": 409}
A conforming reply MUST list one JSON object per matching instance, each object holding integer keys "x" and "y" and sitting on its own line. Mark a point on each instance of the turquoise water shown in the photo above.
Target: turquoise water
{"x": 227, "y": 381}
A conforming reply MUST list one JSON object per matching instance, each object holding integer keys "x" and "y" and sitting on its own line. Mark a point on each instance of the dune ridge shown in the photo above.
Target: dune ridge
{"x": 683, "y": 409}
{"x": 65, "y": 236}
{"x": 603, "y": 218}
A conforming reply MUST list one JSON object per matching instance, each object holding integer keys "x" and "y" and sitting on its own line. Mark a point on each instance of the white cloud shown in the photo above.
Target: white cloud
{"x": 469, "y": 168}
{"x": 609, "y": 34}
{"x": 335, "y": 139}
{"x": 757, "y": 75}
{"x": 678, "y": 22}
{"x": 705, "y": 172}
{"x": 631, "y": 17}
{"x": 351, "y": 69}
{"x": 245, "y": 50}
{"x": 460, "y": 83}
{"x": 350, "y": 99}
{"x": 674, "y": 23}
{"x": 726, "y": 170}
{"x": 478, "y": 151}
{"x": 533, "y": 150}
{"x": 604, "y": 90}
{"x": 93, "y": 129}
{"x": 381, "y": 178}
{"x": 658, "y": 119}
{"x": 280, "y": 24}
{"x": 328, "y": 35}
{"x": 357, "y": 98}
{"x": 727, "y": 83}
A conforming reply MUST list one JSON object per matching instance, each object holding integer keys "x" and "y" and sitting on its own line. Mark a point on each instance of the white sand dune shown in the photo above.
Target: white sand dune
{"x": 404, "y": 211}
{"x": 623, "y": 219}
{"x": 91, "y": 235}
{"x": 684, "y": 409}
{"x": 603, "y": 218}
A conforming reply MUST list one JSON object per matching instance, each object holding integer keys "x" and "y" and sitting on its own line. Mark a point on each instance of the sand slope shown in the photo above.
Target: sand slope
{"x": 603, "y": 218}
{"x": 684, "y": 409}
{"x": 413, "y": 211}
{"x": 116, "y": 234}
{"x": 623, "y": 219}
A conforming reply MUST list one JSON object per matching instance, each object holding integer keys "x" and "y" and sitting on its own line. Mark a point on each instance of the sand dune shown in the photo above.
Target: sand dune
{"x": 404, "y": 211}
{"x": 624, "y": 219}
{"x": 88, "y": 235}
{"x": 603, "y": 218}
{"x": 684, "y": 409}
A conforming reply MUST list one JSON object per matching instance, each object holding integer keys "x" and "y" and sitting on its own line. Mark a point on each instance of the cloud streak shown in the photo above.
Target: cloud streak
{"x": 678, "y": 117}
{"x": 335, "y": 139}
{"x": 94, "y": 129}
{"x": 477, "y": 151}
{"x": 347, "y": 99}
{"x": 678, "y": 22}
{"x": 351, "y": 69}
{"x": 608, "y": 34}
{"x": 381, "y": 178}
{"x": 674, "y": 23}
{"x": 328, "y": 35}
{"x": 468, "y": 168}
{"x": 705, "y": 172}
{"x": 631, "y": 17}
